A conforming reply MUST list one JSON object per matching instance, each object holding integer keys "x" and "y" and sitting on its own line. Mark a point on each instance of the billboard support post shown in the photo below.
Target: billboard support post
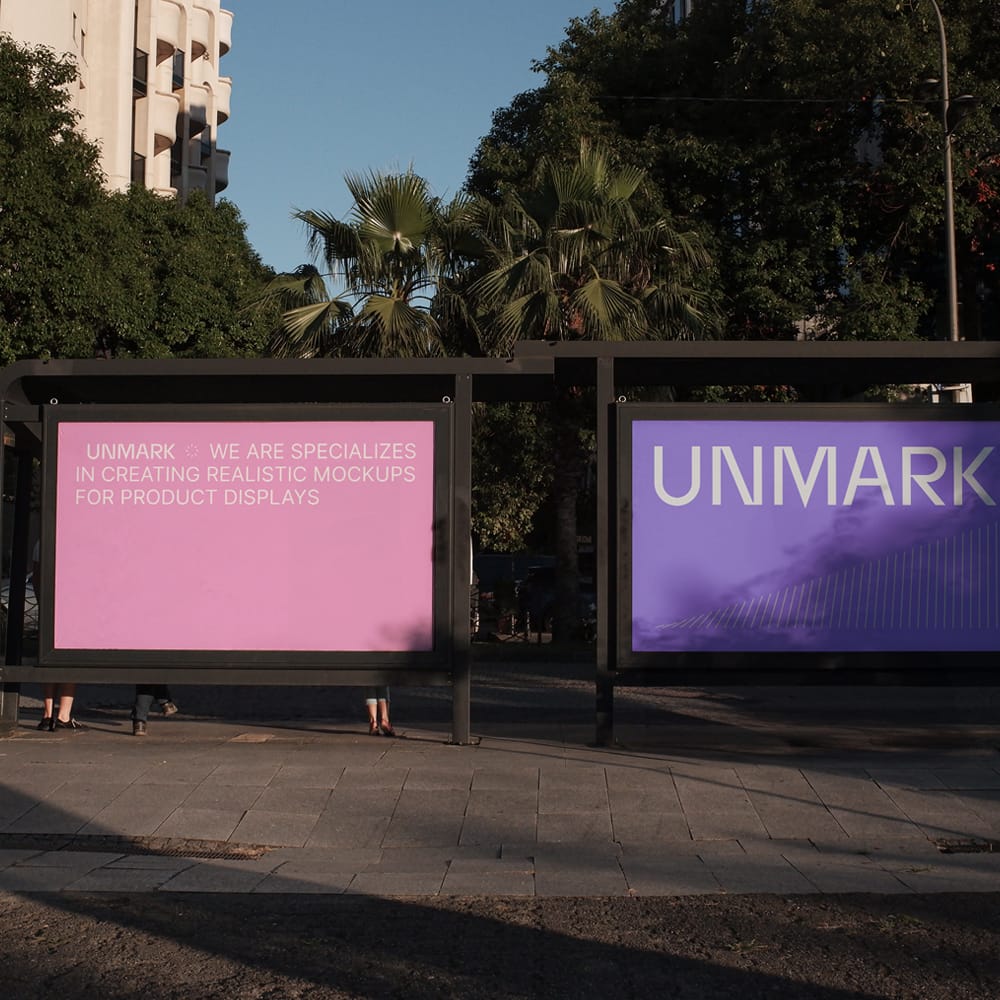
{"x": 461, "y": 522}
{"x": 604, "y": 557}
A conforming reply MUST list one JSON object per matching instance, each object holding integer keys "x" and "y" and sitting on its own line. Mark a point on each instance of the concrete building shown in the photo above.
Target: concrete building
{"x": 150, "y": 93}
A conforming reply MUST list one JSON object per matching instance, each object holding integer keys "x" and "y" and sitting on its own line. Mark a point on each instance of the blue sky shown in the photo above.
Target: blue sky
{"x": 326, "y": 87}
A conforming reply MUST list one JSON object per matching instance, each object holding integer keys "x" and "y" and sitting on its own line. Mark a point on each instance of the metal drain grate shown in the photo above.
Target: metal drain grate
{"x": 967, "y": 846}
{"x": 177, "y": 847}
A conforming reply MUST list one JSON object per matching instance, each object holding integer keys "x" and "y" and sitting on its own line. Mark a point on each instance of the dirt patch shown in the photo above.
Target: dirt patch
{"x": 201, "y": 947}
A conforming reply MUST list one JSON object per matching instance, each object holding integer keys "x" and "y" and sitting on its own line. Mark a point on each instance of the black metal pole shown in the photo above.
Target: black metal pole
{"x": 461, "y": 542}
{"x": 604, "y": 556}
{"x": 14, "y": 646}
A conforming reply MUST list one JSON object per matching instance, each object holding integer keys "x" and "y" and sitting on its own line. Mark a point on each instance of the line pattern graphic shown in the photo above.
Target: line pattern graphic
{"x": 947, "y": 584}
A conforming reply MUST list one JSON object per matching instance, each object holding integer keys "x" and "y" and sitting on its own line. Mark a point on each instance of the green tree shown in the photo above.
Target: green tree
{"x": 49, "y": 186}
{"x": 386, "y": 262}
{"x": 797, "y": 133}
{"x": 182, "y": 278}
{"x": 86, "y": 273}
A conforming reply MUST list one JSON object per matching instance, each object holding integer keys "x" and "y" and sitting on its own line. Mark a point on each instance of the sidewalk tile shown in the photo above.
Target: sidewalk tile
{"x": 280, "y": 829}
{"x": 396, "y": 883}
{"x": 199, "y": 824}
{"x": 496, "y": 829}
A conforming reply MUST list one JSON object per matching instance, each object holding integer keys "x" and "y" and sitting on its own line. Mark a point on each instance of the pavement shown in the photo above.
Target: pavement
{"x": 708, "y": 791}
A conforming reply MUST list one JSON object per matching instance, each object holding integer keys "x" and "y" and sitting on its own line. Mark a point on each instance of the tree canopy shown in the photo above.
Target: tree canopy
{"x": 802, "y": 137}
{"x": 85, "y": 272}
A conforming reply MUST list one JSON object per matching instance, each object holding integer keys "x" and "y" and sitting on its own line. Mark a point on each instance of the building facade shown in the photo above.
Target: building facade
{"x": 150, "y": 92}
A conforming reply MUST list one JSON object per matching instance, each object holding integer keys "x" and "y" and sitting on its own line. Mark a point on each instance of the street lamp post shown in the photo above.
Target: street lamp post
{"x": 951, "y": 265}
{"x": 961, "y": 393}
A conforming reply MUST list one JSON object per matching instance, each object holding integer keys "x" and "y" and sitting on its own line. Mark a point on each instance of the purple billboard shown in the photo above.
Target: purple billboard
{"x": 867, "y": 532}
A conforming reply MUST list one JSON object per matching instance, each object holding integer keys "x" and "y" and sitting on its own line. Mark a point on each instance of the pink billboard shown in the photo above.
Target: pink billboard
{"x": 244, "y": 535}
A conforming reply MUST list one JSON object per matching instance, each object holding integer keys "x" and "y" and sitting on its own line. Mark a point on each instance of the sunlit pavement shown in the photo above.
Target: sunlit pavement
{"x": 705, "y": 803}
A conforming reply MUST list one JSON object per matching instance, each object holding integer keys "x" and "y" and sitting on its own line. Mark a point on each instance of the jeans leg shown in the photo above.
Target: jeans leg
{"x": 140, "y": 711}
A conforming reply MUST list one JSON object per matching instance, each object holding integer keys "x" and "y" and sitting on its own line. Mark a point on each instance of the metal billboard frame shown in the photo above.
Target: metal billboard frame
{"x": 170, "y": 661}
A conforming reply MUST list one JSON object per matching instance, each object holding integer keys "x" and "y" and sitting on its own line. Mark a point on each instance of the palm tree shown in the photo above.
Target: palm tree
{"x": 387, "y": 259}
{"x": 569, "y": 258}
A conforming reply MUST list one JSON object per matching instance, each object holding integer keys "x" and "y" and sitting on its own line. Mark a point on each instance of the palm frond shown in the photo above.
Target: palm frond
{"x": 305, "y": 329}
{"x": 395, "y": 328}
{"x": 608, "y": 311}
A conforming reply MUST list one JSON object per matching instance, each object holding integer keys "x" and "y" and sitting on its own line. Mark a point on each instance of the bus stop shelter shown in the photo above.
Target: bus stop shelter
{"x": 97, "y": 429}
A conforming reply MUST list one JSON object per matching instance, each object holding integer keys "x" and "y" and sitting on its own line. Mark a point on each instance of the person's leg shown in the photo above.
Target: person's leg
{"x": 64, "y": 716}
{"x": 163, "y": 698}
{"x": 385, "y": 727}
{"x": 48, "y": 697}
{"x": 140, "y": 710}
{"x": 371, "y": 704}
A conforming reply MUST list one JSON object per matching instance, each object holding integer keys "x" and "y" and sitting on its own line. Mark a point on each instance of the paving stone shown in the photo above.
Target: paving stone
{"x": 975, "y": 778}
{"x": 667, "y": 875}
{"x": 499, "y": 828}
{"x": 281, "y": 829}
{"x": 939, "y": 814}
{"x": 324, "y": 859}
{"x": 20, "y": 878}
{"x": 83, "y": 860}
{"x": 348, "y": 830}
{"x": 423, "y": 829}
{"x": 286, "y": 799}
{"x": 153, "y": 862}
{"x": 716, "y": 804}
{"x": 754, "y": 874}
{"x": 861, "y": 806}
{"x": 649, "y": 827}
{"x": 580, "y": 881}
{"x": 121, "y": 880}
{"x": 636, "y": 793}
{"x": 243, "y": 774}
{"x": 396, "y": 883}
{"x": 306, "y": 776}
{"x": 200, "y": 824}
{"x": 840, "y": 878}
{"x": 334, "y": 883}
{"x": 356, "y": 777}
{"x": 176, "y": 772}
{"x": 575, "y": 828}
{"x": 9, "y": 856}
{"x": 516, "y": 779}
{"x": 215, "y": 877}
{"x": 222, "y": 798}
{"x": 138, "y": 811}
{"x": 487, "y": 802}
{"x": 430, "y": 778}
{"x": 498, "y": 883}
{"x": 560, "y": 795}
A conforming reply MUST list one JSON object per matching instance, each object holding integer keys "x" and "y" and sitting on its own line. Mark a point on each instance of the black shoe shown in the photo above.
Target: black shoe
{"x": 387, "y": 730}
{"x": 47, "y": 724}
{"x": 138, "y": 727}
{"x": 72, "y": 724}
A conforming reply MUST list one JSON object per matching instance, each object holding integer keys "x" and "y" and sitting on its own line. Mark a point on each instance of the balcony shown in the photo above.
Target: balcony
{"x": 220, "y": 162}
{"x": 198, "y": 97}
{"x": 169, "y": 29}
{"x": 224, "y": 26}
{"x": 156, "y": 113}
{"x": 197, "y": 179}
{"x": 201, "y": 32}
{"x": 223, "y": 93}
